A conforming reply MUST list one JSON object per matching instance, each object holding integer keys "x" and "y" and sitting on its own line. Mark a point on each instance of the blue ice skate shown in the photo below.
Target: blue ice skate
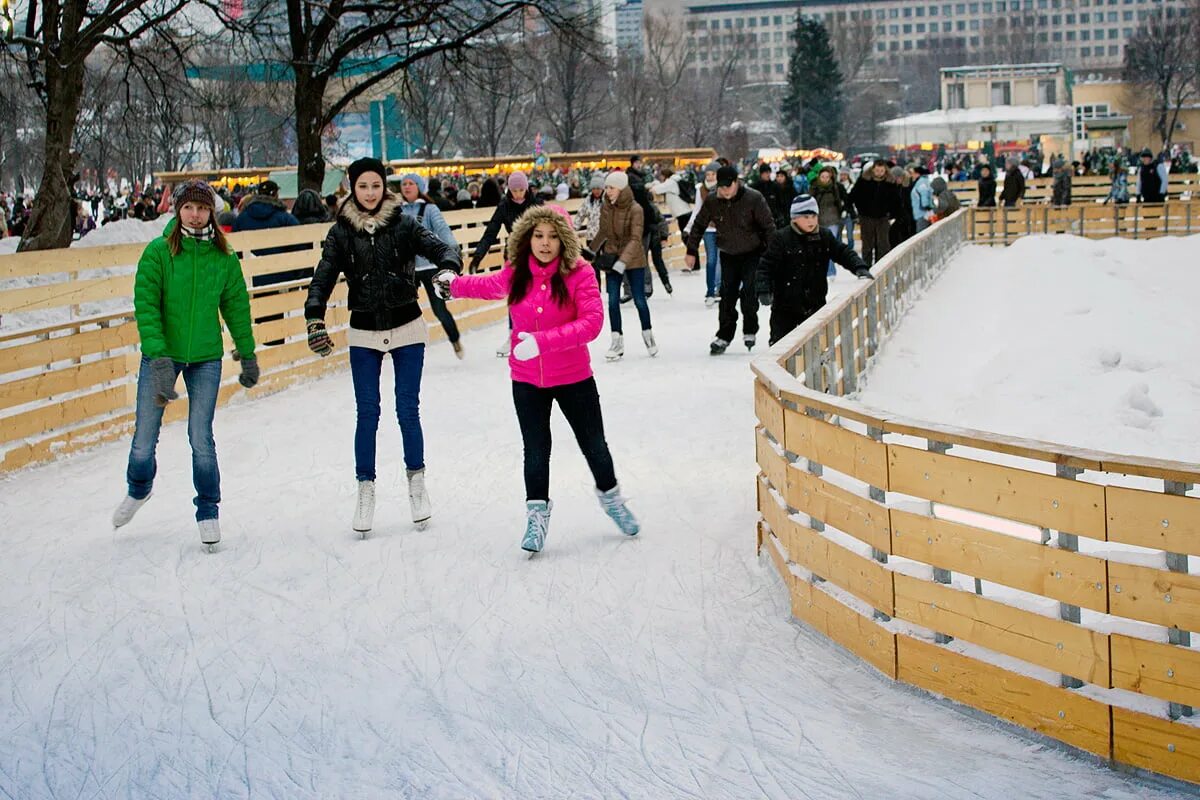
{"x": 614, "y": 505}
{"x": 537, "y": 525}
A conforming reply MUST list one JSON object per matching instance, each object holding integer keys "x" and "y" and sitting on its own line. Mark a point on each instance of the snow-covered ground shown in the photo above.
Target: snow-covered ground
{"x": 1058, "y": 338}
{"x": 301, "y": 662}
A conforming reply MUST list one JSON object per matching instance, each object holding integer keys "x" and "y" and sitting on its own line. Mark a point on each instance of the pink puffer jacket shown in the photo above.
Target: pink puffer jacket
{"x": 562, "y": 332}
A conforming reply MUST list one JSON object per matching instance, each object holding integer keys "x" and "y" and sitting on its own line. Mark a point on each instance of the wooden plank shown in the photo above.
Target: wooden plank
{"x": 775, "y": 515}
{"x": 1158, "y": 669}
{"x": 43, "y": 387}
{"x": 1029, "y": 566}
{"x": 254, "y": 266}
{"x": 1161, "y": 469}
{"x": 831, "y": 404}
{"x": 771, "y": 544}
{"x": 861, "y": 517}
{"x": 1058, "y": 713}
{"x": 998, "y": 443}
{"x": 73, "y": 325}
{"x": 769, "y": 409}
{"x": 1043, "y": 500}
{"x": 69, "y": 259}
{"x": 859, "y": 634}
{"x": 1045, "y": 641}
{"x": 1157, "y": 744}
{"x": 63, "y": 348}
{"x": 1153, "y": 519}
{"x": 837, "y": 448}
{"x": 862, "y": 577}
{"x": 65, "y": 293}
{"x": 773, "y": 465}
{"x": 1154, "y": 595}
{"x": 49, "y": 417}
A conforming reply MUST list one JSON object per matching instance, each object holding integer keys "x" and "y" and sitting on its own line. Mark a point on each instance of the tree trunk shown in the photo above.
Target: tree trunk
{"x": 309, "y": 103}
{"x": 50, "y": 220}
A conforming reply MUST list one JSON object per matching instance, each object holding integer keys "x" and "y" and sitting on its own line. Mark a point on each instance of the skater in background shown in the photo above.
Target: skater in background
{"x": 987, "y": 187}
{"x": 792, "y": 278}
{"x": 374, "y": 244}
{"x": 624, "y": 253}
{"x": 417, "y": 203}
{"x": 185, "y": 278}
{"x": 712, "y": 258}
{"x": 554, "y": 305}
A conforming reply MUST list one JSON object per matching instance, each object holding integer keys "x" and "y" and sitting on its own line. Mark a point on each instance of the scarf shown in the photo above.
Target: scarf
{"x": 204, "y": 234}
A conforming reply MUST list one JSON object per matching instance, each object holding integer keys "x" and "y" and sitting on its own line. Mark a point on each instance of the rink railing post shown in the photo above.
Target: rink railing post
{"x": 846, "y": 343}
{"x": 1177, "y": 562}
{"x": 940, "y": 575}
{"x": 1070, "y": 543}
{"x": 879, "y": 495}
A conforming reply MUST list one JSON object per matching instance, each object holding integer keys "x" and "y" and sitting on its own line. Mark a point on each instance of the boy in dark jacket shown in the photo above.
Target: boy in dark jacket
{"x": 791, "y": 274}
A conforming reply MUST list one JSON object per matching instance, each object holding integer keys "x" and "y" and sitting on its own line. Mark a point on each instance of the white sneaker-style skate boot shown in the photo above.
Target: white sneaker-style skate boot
{"x": 651, "y": 345}
{"x": 537, "y": 525}
{"x": 210, "y": 533}
{"x": 364, "y": 510}
{"x": 615, "y": 506}
{"x": 129, "y": 506}
{"x": 418, "y": 498}
{"x": 617, "y": 349}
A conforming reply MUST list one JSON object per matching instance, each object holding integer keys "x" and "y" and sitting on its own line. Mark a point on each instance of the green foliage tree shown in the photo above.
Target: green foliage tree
{"x": 812, "y": 109}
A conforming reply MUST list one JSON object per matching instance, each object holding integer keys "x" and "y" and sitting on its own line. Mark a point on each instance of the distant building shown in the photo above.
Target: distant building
{"x": 630, "y": 16}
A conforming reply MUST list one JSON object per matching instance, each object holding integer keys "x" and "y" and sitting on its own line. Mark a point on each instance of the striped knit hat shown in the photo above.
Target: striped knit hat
{"x": 194, "y": 191}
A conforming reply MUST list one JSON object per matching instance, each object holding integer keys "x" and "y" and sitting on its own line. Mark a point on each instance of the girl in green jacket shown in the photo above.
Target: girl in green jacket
{"x": 185, "y": 278}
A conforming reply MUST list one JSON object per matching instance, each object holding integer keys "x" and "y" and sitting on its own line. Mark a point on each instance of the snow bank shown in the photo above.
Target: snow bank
{"x": 1058, "y": 338}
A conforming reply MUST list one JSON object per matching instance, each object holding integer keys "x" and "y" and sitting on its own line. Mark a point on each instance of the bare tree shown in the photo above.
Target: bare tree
{"x": 1162, "y": 63}
{"x": 493, "y": 93}
{"x": 572, "y": 84}
{"x": 707, "y": 100}
{"x": 59, "y": 36}
{"x": 428, "y": 101}
{"x": 853, "y": 43}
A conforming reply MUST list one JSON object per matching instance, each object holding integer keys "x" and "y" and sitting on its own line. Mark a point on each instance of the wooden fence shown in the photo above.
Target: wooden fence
{"x": 71, "y": 382}
{"x": 1094, "y": 221}
{"x": 1042, "y": 583}
{"x": 1086, "y": 189}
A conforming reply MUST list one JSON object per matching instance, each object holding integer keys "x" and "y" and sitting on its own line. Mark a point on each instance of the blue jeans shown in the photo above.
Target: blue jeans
{"x": 637, "y": 287}
{"x": 365, "y": 367}
{"x": 847, "y": 226}
{"x": 203, "y": 380}
{"x": 712, "y": 264}
{"x": 831, "y": 270}
{"x": 921, "y": 224}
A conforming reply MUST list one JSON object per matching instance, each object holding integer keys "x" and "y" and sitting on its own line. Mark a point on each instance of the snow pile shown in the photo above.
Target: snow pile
{"x": 1068, "y": 340}
{"x": 125, "y": 231}
{"x": 300, "y": 662}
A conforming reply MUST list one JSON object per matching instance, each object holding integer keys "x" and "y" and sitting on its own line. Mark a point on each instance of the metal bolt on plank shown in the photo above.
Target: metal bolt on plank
{"x": 1177, "y": 562}
{"x": 1069, "y": 542}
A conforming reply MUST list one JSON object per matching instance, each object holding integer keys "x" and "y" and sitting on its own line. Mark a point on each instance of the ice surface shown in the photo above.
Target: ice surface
{"x": 301, "y": 662}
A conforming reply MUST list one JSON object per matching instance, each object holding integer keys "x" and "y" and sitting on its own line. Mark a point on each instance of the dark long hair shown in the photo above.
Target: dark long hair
{"x": 523, "y": 276}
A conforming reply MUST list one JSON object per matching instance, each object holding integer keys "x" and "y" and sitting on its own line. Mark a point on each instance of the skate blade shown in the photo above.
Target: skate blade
{"x": 422, "y": 525}
{"x": 211, "y": 548}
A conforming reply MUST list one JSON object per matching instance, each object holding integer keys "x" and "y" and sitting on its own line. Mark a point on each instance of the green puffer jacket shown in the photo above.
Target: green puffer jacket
{"x": 176, "y": 300}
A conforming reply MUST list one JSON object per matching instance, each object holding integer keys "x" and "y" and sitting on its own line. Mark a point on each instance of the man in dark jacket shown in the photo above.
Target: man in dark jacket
{"x": 434, "y": 191}
{"x": 792, "y": 277}
{"x": 744, "y": 226}
{"x": 1152, "y": 179}
{"x": 877, "y": 201}
{"x": 516, "y": 201}
{"x": 1014, "y": 184}
{"x": 768, "y": 189}
{"x": 263, "y": 210}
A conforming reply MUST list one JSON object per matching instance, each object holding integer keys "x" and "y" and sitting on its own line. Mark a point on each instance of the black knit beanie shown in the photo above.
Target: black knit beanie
{"x": 363, "y": 165}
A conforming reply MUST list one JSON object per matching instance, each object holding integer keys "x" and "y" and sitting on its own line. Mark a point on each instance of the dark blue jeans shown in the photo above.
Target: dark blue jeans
{"x": 637, "y": 287}
{"x": 365, "y": 367}
{"x": 203, "y": 380}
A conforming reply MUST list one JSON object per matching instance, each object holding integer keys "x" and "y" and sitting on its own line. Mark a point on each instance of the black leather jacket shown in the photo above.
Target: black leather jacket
{"x": 376, "y": 254}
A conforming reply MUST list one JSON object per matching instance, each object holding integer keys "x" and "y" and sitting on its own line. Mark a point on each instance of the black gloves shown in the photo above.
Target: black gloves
{"x": 162, "y": 380}
{"x": 250, "y": 372}
{"x": 765, "y": 298}
{"x": 864, "y": 273}
{"x": 318, "y": 338}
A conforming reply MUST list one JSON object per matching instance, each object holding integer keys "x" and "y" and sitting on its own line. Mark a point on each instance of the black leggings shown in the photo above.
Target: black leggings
{"x": 438, "y": 305}
{"x": 580, "y": 404}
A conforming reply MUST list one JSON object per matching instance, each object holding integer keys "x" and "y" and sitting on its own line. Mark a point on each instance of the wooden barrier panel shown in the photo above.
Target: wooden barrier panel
{"x": 860, "y": 635}
{"x": 1061, "y": 646}
{"x": 1154, "y": 595}
{"x": 773, "y": 465}
{"x": 769, "y": 409}
{"x": 1065, "y": 576}
{"x": 835, "y": 447}
{"x": 1158, "y": 669}
{"x": 1156, "y": 744}
{"x": 861, "y": 517}
{"x": 1153, "y": 519}
{"x": 1058, "y": 713}
{"x": 63, "y": 348}
{"x": 1043, "y": 500}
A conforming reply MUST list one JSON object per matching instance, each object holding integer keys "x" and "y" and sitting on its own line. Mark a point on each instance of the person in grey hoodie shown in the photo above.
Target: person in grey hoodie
{"x": 415, "y": 202}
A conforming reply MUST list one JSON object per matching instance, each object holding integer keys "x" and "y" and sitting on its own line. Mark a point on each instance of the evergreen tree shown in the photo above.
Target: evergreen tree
{"x": 812, "y": 110}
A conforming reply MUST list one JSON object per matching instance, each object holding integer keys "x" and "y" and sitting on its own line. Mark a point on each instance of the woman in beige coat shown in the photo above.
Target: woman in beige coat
{"x": 620, "y": 237}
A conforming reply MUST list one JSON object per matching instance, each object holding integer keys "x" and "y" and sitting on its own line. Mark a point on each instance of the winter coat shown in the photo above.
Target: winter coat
{"x": 621, "y": 229}
{"x": 377, "y": 253}
{"x": 259, "y": 212}
{"x": 587, "y": 218}
{"x": 922, "y": 198}
{"x": 987, "y": 192}
{"x": 506, "y": 214}
{"x": 434, "y": 222}
{"x": 1152, "y": 182}
{"x": 563, "y": 331}
{"x": 875, "y": 199}
{"x": 770, "y": 191}
{"x": 177, "y": 299}
{"x": 1060, "y": 194}
{"x": 744, "y": 223}
{"x": 829, "y": 202}
{"x": 945, "y": 201}
{"x": 1118, "y": 191}
{"x": 1014, "y": 187}
{"x": 793, "y": 268}
{"x": 670, "y": 190}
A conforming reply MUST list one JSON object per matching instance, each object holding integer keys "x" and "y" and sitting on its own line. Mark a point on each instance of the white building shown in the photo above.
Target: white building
{"x": 629, "y": 21}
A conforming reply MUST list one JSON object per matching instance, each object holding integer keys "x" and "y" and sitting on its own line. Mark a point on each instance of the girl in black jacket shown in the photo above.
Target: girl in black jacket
{"x": 987, "y": 187}
{"x": 374, "y": 245}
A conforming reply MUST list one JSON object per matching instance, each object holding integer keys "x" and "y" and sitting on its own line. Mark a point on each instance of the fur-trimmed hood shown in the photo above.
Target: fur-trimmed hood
{"x": 523, "y": 229}
{"x": 389, "y": 207}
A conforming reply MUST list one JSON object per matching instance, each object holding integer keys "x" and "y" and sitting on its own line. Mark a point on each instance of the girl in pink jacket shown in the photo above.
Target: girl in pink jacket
{"x": 554, "y": 303}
